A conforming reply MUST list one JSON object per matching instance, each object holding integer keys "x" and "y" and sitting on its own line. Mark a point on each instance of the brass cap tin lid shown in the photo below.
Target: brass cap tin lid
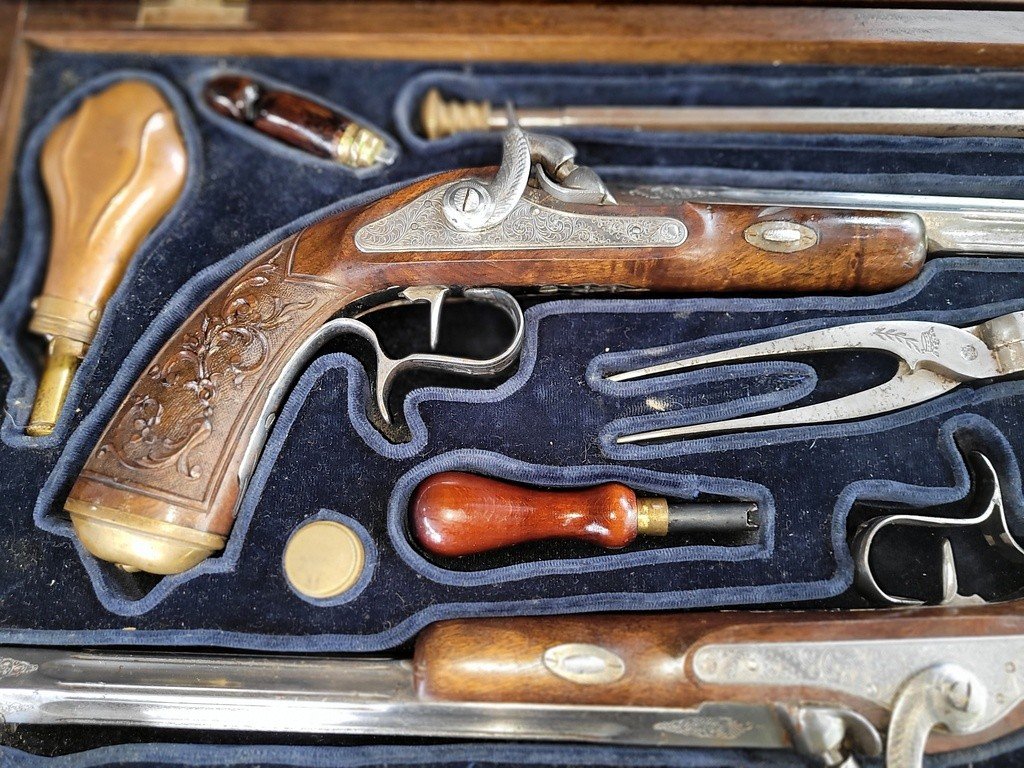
{"x": 323, "y": 559}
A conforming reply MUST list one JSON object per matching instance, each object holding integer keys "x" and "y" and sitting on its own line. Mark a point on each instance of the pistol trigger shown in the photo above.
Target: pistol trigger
{"x": 950, "y": 583}
{"x": 435, "y": 296}
{"x": 386, "y": 368}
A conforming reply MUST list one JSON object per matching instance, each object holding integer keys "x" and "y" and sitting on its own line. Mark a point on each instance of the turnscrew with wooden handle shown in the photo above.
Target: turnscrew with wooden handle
{"x": 112, "y": 170}
{"x": 458, "y": 513}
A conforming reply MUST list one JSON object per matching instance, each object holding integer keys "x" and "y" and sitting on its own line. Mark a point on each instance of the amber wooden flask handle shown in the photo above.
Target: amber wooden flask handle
{"x": 159, "y": 490}
{"x": 296, "y": 120}
{"x": 112, "y": 170}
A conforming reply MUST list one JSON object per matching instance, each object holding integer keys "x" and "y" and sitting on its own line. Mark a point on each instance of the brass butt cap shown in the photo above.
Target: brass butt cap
{"x": 138, "y": 543}
{"x": 652, "y": 516}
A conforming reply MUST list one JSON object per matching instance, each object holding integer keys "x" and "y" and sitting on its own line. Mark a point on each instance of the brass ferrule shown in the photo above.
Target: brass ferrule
{"x": 62, "y": 361}
{"x": 652, "y": 516}
{"x": 359, "y": 147}
{"x": 56, "y": 316}
{"x": 440, "y": 118}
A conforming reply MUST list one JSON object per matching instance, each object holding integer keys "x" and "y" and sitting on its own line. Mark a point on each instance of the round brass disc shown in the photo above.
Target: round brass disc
{"x": 323, "y": 559}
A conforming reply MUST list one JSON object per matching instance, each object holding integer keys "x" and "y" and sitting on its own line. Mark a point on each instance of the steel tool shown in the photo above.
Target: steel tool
{"x": 832, "y": 685}
{"x": 440, "y": 118}
{"x": 933, "y": 359}
{"x": 988, "y": 515}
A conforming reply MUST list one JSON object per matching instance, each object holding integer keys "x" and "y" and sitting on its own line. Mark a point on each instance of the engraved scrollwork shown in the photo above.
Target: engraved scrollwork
{"x": 706, "y": 727}
{"x": 15, "y": 667}
{"x": 926, "y": 343}
{"x": 216, "y": 351}
{"x": 872, "y": 669}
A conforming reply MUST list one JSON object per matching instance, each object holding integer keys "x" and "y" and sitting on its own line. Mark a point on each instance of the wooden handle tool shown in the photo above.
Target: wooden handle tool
{"x": 112, "y": 170}
{"x": 457, "y": 513}
{"x": 298, "y": 121}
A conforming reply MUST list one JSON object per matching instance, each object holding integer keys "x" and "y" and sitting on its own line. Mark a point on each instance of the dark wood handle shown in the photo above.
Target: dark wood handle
{"x": 456, "y": 513}
{"x": 294, "y": 119}
{"x": 159, "y": 490}
{"x": 287, "y": 116}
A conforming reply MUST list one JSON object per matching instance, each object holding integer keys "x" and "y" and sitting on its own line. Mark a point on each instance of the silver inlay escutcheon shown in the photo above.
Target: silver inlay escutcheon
{"x": 780, "y": 236}
{"x": 584, "y": 664}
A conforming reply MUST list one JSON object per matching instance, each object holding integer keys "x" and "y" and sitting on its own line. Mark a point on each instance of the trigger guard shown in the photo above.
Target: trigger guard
{"x": 987, "y": 513}
{"x": 387, "y": 369}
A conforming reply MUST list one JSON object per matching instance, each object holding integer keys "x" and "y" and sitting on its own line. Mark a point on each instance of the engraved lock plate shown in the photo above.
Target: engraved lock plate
{"x": 531, "y": 225}
{"x": 780, "y": 236}
{"x": 584, "y": 664}
{"x": 505, "y": 213}
{"x": 871, "y": 669}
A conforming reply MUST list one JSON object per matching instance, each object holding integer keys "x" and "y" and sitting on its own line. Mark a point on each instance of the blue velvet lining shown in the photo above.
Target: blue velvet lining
{"x": 443, "y": 756}
{"x": 554, "y": 386}
{"x": 551, "y": 423}
{"x": 498, "y": 755}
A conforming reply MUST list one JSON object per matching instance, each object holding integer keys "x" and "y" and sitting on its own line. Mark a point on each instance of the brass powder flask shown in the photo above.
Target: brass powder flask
{"x": 112, "y": 170}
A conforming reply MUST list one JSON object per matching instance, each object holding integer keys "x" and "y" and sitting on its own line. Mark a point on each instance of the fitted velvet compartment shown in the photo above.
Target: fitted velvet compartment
{"x": 549, "y": 423}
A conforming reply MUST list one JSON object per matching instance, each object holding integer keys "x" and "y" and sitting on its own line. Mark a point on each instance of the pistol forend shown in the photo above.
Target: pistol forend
{"x": 939, "y": 678}
{"x": 159, "y": 490}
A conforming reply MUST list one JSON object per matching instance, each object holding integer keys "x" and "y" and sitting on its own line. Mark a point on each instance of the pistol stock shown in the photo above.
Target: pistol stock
{"x": 160, "y": 489}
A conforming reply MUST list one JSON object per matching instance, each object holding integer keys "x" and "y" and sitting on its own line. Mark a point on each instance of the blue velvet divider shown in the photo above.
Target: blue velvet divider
{"x": 550, "y": 424}
{"x": 999, "y": 754}
{"x": 445, "y": 756}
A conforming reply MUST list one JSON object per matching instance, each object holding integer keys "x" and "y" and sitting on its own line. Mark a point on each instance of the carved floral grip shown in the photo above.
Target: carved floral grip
{"x": 160, "y": 489}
